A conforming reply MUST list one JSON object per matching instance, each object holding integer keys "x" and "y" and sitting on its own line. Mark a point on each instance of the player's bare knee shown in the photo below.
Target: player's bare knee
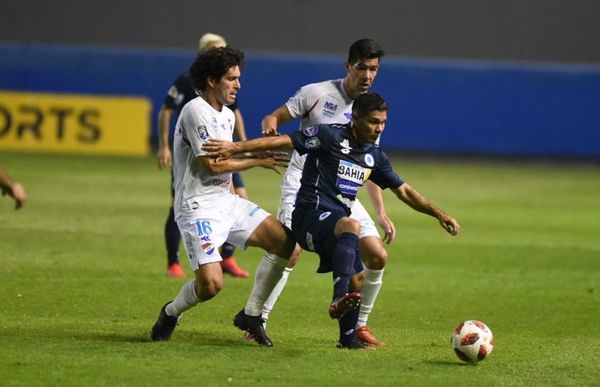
{"x": 357, "y": 281}
{"x": 345, "y": 225}
{"x": 373, "y": 253}
{"x": 208, "y": 290}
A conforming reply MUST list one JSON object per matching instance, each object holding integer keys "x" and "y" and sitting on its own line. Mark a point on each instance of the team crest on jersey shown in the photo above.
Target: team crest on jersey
{"x": 312, "y": 143}
{"x": 207, "y": 245}
{"x": 345, "y": 144}
{"x": 202, "y": 132}
{"x": 309, "y": 132}
{"x": 369, "y": 160}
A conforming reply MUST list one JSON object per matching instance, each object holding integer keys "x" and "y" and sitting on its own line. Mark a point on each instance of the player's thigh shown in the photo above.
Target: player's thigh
{"x": 272, "y": 236}
{"x": 367, "y": 225}
{"x": 203, "y": 232}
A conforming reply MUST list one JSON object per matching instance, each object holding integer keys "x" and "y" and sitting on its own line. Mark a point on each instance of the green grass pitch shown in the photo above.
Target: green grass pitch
{"x": 82, "y": 278}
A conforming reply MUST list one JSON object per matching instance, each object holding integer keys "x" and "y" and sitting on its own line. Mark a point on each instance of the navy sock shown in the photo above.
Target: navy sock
{"x": 172, "y": 238}
{"x": 348, "y": 326}
{"x": 343, "y": 261}
{"x": 227, "y": 250}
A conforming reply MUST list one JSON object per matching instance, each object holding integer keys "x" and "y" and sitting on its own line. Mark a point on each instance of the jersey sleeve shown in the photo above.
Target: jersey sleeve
{"x": 383, "y": 175}
{"x": 313, "y": 139}
{"x": 175, "y": 94}
{"x": 301, "y": 103}
{"x": 196, "y": 129}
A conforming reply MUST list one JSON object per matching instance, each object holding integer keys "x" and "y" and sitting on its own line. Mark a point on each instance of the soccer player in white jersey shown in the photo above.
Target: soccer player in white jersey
{"x": 207, "y": 213}
{"x": 324, "y": 103}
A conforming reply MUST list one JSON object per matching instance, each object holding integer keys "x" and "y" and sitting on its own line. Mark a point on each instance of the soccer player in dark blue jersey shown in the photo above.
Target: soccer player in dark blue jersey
{"x": 340, "y": 159}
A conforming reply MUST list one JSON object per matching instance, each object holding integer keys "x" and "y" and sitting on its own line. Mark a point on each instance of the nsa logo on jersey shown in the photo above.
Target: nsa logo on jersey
{"x": 202, "y": 132}
{"x": 309, "y": 132}
{"x": 312, "y": 143}
{"x": 329, "y": 109}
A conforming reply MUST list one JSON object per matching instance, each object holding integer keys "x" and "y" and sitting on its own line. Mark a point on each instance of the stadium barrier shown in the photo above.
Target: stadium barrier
{"x": 447, "y": 106}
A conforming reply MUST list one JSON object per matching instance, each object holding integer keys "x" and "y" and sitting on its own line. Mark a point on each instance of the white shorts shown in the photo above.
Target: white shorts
{"x": 289, "y": 190}
{"x": 204, "y": 230}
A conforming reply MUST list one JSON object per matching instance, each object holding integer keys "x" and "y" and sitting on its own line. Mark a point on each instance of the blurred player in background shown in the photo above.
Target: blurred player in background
{"x": 341, "y": 158}
{"x": 331, "y": 102}
{"x": 180, "y": 93}
{"x": 14, "y": 189}
{"x": 207, "y": 212}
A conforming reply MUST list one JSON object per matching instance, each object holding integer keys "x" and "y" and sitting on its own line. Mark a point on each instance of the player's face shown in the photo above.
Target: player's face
{"x": 227, "y": 87}
{"x": 369, "y": 127}
{"x": 361, "y": 76}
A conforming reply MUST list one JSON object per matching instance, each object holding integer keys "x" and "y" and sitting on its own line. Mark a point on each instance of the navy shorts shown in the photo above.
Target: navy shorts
{"x": 314, "y": 231}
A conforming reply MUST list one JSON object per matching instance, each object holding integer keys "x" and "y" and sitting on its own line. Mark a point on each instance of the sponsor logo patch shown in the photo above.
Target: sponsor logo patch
{"x": 207, "y": 245}
{"x": 311, "y": 131}
{"x": 345, "y": 144}
{"x": 312, "y": 143}
{"x": 324, "y": 215}
{"x": 352, "y": 172}
{"x": 202, "y": 132}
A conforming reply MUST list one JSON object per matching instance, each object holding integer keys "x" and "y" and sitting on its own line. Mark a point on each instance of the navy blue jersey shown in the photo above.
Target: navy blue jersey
{"x": 181, "y": 92}
{"x": 337, "y": 166}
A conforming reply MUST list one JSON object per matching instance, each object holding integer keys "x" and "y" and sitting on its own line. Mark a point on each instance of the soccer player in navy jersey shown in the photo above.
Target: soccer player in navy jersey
{"x": 181, "y": 92}
{"x": 340, "y": 159}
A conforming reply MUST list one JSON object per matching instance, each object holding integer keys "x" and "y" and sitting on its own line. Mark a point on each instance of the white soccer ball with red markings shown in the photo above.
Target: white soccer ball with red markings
{"x": 472, "y": 341}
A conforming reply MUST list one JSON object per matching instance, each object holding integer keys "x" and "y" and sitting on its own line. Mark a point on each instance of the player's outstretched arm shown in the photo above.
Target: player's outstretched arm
{"x": 419, "y": 203}
{"x": 271, "y": 122}
{"x": 269, "y": 160}
{"x": 224, "y": 149}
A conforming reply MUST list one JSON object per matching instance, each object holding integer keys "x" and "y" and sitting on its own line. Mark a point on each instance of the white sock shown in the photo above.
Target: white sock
{"x": 370, "y": 290}
{"x": 270, "y": 303}
{"x": 268, "y": 274}
{"x": 186, "y": 299}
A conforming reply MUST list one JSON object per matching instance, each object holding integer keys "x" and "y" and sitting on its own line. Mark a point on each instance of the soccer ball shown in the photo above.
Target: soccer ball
{"x": 472, "y": 341}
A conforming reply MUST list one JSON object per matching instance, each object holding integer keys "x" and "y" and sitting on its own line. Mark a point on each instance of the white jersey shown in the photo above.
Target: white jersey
{"x": 318, "y": 103}
{"x": 194, "y": 187}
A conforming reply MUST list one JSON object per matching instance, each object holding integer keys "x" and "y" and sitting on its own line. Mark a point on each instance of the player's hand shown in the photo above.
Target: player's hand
{"x": 270, "y": 132}
{"x": 388, "y": 228}
{"x": 17, "y": 192}
{"x": 164, "y": 157}
{"x": 221, "y": 149}
{"x": 450, "y": 224}
{"x": 274, "y": 160}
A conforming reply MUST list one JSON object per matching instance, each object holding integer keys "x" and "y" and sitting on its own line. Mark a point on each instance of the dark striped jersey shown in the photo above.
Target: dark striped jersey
{"x": 337, "y": 166}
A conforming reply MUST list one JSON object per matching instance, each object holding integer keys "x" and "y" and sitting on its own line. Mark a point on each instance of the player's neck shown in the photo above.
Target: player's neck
{"x": 212, "y": 100}
{"x": 350, "y": 93}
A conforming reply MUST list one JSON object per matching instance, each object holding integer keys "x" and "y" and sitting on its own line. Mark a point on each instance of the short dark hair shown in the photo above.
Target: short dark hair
{"x": 214, "y": 63}
{"x": 367, "y": 102}
{"x": 364, "y": 49}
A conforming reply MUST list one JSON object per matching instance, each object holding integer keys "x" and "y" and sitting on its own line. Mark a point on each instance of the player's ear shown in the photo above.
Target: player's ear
{"x": 348, "y": 66}
{"x": 210, "y": 81}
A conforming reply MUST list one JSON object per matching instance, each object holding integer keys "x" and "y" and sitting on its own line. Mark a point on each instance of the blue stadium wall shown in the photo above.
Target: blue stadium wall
{"x": 436, "y": 106}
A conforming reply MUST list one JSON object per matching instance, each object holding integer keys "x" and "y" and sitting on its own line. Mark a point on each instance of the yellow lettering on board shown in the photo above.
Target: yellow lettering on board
{"x": 72, "y": 123}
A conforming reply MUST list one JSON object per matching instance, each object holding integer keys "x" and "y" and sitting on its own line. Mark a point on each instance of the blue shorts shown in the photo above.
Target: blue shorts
{"x": 314, "y": 231}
